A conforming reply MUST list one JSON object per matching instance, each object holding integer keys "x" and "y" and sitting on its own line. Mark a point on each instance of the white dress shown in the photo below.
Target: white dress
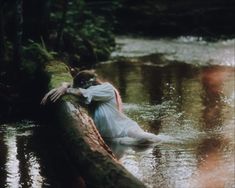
{"x": 109, "y": 121}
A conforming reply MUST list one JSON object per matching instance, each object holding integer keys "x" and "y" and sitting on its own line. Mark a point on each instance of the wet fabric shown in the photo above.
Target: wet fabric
{"x": 110, "y": 122}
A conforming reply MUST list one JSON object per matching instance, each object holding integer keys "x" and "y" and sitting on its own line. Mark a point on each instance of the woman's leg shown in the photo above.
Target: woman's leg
{"x": 141, "y": 134}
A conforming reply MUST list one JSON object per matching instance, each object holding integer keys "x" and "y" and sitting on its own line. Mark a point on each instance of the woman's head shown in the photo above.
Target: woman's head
{"x": 85, "y": 79}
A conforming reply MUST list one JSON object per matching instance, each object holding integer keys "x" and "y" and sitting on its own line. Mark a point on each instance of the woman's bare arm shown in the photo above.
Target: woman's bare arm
{"x": 56, "y": 93}
{"x": 74, "y": 91}
{"x": 47, "y": 96}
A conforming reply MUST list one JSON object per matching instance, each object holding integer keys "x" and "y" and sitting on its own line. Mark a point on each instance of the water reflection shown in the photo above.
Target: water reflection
{"x": 30, "y": 168}
{"x": 210, "y": 171}
{"x": 12, "y": 164}
{"x": 3, "y": 159}
{"x": 33, "y": 156}
{"x": 18, "y": 167}
{"x": 195, "y": 105}
{"x": 213, "y": 168}
{"x": 213, "y": 79}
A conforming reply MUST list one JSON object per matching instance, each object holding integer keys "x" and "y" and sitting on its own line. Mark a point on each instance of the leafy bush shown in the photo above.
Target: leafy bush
{"x": 90, "y": 25}
{"x": 37, "y": 52}
{"x": 35, "y": 55}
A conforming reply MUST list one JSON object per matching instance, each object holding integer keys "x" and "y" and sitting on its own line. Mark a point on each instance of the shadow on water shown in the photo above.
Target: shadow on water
{"x": 194, "y": 105}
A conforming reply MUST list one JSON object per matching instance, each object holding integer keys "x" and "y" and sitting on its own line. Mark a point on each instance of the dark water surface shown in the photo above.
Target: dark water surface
{"x": 191, "y": 103}
{"x": 32, "y": 155}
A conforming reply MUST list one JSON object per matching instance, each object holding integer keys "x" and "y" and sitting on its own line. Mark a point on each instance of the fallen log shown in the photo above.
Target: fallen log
{"x": 86, "y": 148}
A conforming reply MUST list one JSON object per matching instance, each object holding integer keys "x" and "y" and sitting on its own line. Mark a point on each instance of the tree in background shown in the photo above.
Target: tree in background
{"x": 74, "y": 28}
{"x": 2, "y": 43}
{"x": 85, "y": 30}
{"x": 17, "y": 42}
{"x": 33, "y": 32}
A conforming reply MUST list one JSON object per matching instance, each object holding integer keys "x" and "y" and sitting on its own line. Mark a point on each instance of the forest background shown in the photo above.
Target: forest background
{"x": 82, "y": 33}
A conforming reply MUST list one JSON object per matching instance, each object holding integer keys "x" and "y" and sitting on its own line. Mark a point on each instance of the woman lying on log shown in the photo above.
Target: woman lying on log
{"x": 105, "y": 106}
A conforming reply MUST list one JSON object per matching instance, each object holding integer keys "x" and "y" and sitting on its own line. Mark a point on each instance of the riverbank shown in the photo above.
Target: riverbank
{"x": 187, "y": 49}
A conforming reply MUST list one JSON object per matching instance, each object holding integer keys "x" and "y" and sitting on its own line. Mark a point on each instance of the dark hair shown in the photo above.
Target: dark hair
{"x": 85, "y": 78}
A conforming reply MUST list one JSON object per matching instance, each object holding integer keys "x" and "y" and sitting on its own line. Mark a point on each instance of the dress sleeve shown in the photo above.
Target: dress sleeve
{"x": 103, "y": 92}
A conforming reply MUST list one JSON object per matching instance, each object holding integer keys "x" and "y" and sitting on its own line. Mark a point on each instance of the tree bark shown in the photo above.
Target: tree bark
{"x": 62, "y": 25}
{"x": 2, "y": 42}
{"x": 86, "y": 148}
{"x": 17, "y": 54}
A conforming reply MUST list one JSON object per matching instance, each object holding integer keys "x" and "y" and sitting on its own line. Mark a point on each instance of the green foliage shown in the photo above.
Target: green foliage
{"x": 60, "y": 73}
{"x": 73, "y": 28}
{"x": 35, "y": 56}
{"x": 90, "y": 21}
{"x": 37, "y": 52}
{"x": 98, "y": 31}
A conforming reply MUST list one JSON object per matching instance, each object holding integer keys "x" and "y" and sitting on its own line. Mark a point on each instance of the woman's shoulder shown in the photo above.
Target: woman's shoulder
{"x": 107, "y": 84}
{"x": 103, "y": 85}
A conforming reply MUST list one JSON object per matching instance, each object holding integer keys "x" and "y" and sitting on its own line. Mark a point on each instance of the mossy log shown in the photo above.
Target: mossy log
{"x": 85, "y": 146}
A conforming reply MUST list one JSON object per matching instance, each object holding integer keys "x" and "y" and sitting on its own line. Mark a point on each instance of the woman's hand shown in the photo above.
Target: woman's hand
{"x": 60, "y": 91}
{"x": 46, "y": 97}
{"x": 55, "y": 94}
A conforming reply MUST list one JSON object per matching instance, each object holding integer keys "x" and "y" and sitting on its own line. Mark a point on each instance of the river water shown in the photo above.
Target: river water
{"x": 181, "y": 89}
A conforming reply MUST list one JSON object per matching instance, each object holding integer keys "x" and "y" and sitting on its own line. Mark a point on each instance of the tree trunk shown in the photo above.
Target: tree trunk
{"x": 2, "y": 42}
{"x": 86, "y": 148}
{"x": 62, "y": 24}
{"x": 17, "y": 53}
